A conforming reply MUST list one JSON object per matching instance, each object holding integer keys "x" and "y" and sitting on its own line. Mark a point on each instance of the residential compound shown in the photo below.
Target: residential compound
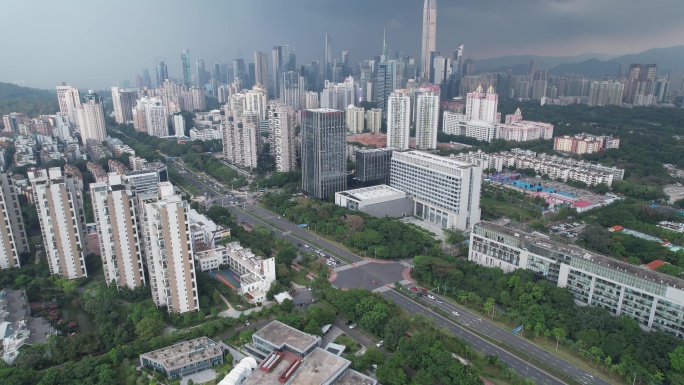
{"x": 585, "y": 143}
{"x": 655, "y": 300}
{"x": 555, "y": 167}
{"x": 242, "y": 136}
{"x": 62, "y": 223}
{"x": 482, "y": 121}
{"x": 256, "y": 274}
{"x": 168, "y": 249}
{"x": 12, "y": 234}
{"x": 445, "y": 191}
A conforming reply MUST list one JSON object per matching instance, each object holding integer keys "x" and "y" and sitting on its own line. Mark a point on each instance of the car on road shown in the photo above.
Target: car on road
{"x": 379, "y": 344}
{"x": 299, "y": 244}
{"x": 431, "y": 296}
{"x": 456, "y": 313}
{"x": 414, "y": 288}
{"x": 352, "y": 326}
{"x": 349, "y": 322}
{"x": 439, "y": 301}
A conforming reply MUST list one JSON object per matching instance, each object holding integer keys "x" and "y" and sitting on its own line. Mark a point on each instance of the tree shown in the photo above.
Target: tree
{"x": 559, "y": 333}
{"x": 489, "y": 305}
{"x": 150, "y": 326}
{"x": 677, "y": 359}
{"x": 287, "y": 305}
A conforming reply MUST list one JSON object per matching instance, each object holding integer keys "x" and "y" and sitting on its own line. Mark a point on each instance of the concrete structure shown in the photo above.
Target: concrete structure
{"x": 282, "y": 125}
{"x": 355, "y": 119}
{"x": 116, "y": 219}
{"x": 278, "y": 336}
{"x": 62, "y": 222}
{"x": 398, "y": 120}
{"x": 446, "y": 192}
{"x": 292, "y": 86}
{"x": 323, "y": 154}
{"x": 13, "y": 238}
{"x": 378, "y": 201}
{"x": 123, "y": 102}
{"x": 386, "y": 84}
{"x": 429, "y": 39}
{"x": 374, "y": 120}
{"x": 339, "y": 95}
{"x": 168, "y": 249}
{"x": 585, "y": 143}
{"x": 17, "y": 327}
{"x": 178, "y": 124}
{"x": 205, "y": 233}
{"x": 242, "y": 137}
{"x": 256, "y": 274}
{"x": 427, "y": 117}
{"x": 604, "y": 93}
{"x": 146, "y": 177}
{"x": 521, "y": 130}
{"x": 373, "y": 165}
{"x": 655, "y": 300}
{"x": 184, "y": 358}
{"x": 261, "y": 68}
{"x": 206, "y": 134}
{"x": 91, "y": 121}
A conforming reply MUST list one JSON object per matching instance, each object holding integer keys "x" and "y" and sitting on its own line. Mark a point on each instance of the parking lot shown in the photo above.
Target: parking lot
{"x": 568, "y": 230}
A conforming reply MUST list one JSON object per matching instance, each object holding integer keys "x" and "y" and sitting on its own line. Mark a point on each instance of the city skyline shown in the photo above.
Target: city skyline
{"x": 569, "y": 27}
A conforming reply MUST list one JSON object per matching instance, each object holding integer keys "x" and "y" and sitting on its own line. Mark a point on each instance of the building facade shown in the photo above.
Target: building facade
{"x": 427, "y": 117}
{"x": 324, "y": 160}
{"x": 373, "y": 166}
{"x": 446, "y": 192}
{"x": 13, "y": 234}
{"x": 281, "y": 122}
{"x": 398, "y": 120}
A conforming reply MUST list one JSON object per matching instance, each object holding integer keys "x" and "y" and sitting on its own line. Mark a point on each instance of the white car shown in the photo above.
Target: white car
{"x": 352, "y": 326}
{"x": 379, "y": 344}
{"x": 431, "y": 296}
{"x": 455, "y": 313}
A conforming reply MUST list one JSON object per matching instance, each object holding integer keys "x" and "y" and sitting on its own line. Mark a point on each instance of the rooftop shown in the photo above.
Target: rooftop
{"x": 318, "y": 367}
{"x": 373, "y": 192}
{"x": 578, "y": 252}
{"x": 352, "y": 377}
{"x": 184, "y": 353}
{"x": 279, "y": 334}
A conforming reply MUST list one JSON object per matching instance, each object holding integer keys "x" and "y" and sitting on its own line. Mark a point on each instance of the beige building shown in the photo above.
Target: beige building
{"x": 12, "y": 235}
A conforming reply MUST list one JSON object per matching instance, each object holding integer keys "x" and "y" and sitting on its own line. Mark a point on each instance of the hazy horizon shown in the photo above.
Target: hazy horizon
{"x": 95, "y": 45}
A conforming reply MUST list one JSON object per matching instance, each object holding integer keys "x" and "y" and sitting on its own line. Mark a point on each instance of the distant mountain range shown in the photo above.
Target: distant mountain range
{"x": 592, "y": 65}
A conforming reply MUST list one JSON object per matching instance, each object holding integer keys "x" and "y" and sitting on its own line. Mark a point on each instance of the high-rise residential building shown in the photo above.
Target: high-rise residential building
{"x": 482, "y": 106}
{"x": 123, "y": 101}
{"x": 115, "y": 212}
{"x": 242, "y": 136}
{"x": 310, "y": 100}
{"x": 281, "y": 122}
{"x": 324, "y": 152}
{"x": 14, "y": 120}
{"x": 90, "y": 117}
{"x": 59, "y": 205}
{"x": 398, "y": 120}
{"x": 292, "y": 86}
{"x": 162, "y": 73}
{"x": 261, "y": 69}
{"x": 168, "y": 249}
{"x": 355, "y": 119}
{"x": 187, "y": 70}
{"x": 427, "y": 117}
{"x": 429, "y": 40}
{"x": 178, "y": 124}
{"x": 150, "y": 115}
{"x": 339, "y": 95}
{"x": 446, "y": 192}
{"x": 69, "y": 100}
{"x": 441, "y": 70}
{"x": 13, "y": 234}
{"x": 604, "y": 93}
{"x": 640, "y": 86}
{"x": 374, "y": 120}
{"x": 386, "y": 84}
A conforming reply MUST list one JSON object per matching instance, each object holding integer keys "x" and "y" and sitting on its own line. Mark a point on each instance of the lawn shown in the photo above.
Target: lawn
{"x": 494, "y": 209}
{"x": 350, "y": 343}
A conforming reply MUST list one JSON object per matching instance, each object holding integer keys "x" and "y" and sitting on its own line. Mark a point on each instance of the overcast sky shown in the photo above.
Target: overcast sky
{"x": 97, "y": 43}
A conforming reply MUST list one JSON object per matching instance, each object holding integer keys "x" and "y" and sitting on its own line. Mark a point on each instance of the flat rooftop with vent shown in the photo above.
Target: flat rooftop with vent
{"x": 184, "y": 358}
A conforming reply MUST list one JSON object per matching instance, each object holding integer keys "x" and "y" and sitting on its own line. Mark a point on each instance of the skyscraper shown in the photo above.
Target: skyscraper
{"x": 386, "y": 83}
{"x": 292, "y": 86}
{"x": 289, "y": 58}
{"x": 187, "y": 70}
{"x": 116, "y": 216}
{"x": 168, "y": 250}
{"x": 277, "y": 71}
{"x": 640, "y": 86}
{"x": 147, "y": 82}
{"x": 327, "y": 62}
{"x": 281, "y": 122}
{"x": 69, "y": 99}
{"x": 13, "y": 239}
{"x": 240, "y": 71}
{"x": 324, "y": 152}
{"x": 91, "y": 121}
{"x": 123, "y": 102}
{"x": 261, "y": 68}
{"x": 427, "y": 117}
{"x": 398, "y": 120}
{"x": 429, "y": 35}
{"x": 60, "y": 212}
{"x": 162, "y": 73}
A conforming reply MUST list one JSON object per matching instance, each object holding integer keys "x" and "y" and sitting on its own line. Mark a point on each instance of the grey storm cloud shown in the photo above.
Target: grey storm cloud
{"x": 98, "y": 43}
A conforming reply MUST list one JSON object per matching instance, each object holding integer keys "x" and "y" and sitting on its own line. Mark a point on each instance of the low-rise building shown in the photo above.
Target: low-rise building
{"x": 378, "y": 201}
{"x": 206, "y": 134}
{"x": 255, "y": 273}
{"x": 655, "y": 300}
{"x": 17, "y": 327}
{"x": 184, "y": 358}
{"x": 585, "y": 143}
{"x": 204, "y": 232}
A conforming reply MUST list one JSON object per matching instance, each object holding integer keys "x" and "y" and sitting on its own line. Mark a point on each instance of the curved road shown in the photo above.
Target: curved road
{"x": 255, "y": 215}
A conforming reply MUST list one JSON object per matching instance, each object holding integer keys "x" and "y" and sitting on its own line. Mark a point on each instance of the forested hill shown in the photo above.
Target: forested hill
{"x": 30, "y": 101}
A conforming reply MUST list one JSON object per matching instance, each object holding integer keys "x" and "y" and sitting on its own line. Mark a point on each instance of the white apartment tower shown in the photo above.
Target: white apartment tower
{"x": 281, "y": 122}
{"x": 168, "y": 250}
{"x": 91, "y": 121}
{"x": 116, "y": 220}
{"x": 482, "y": 106}
{"x": 62, "y": 222}
{"x": 68, "y": 99}
{"x": 445, "y": 191}
{"x": 241, "y": 143}
{"x": 13, "y": 234}
{"x": 427, "y": 118}
{"x": 374, "y": 120}
{"x": 355, "y": 119}
{"x": 398, "y": 120}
